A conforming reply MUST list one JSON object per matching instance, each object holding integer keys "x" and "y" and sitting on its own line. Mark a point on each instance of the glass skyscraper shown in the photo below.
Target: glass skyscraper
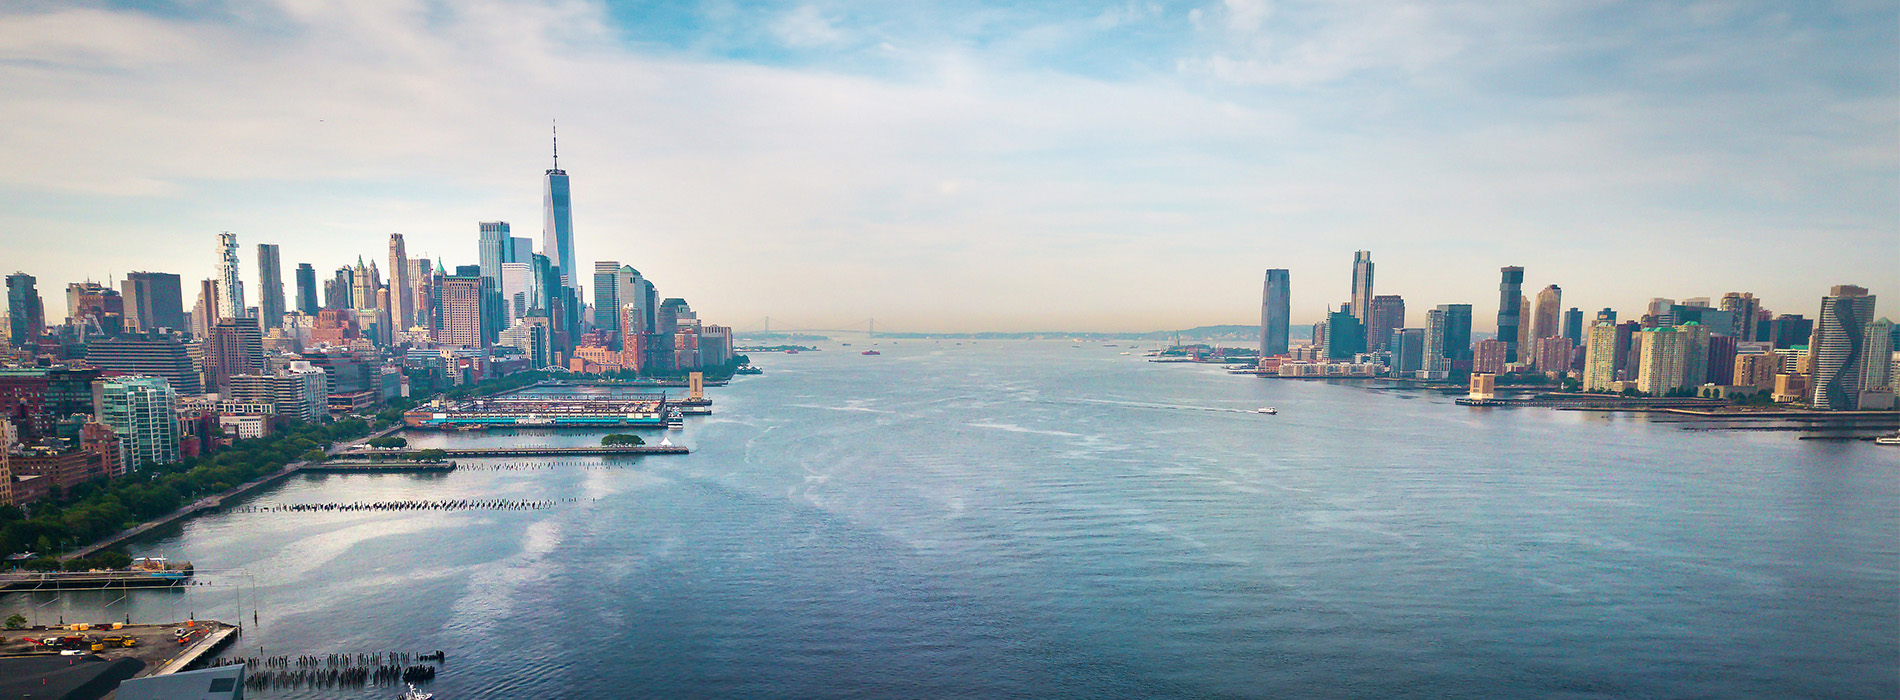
{"x": 557, "y": 225}
{"x": 1275, "y": 308}
{"x": 1510, "y": 309}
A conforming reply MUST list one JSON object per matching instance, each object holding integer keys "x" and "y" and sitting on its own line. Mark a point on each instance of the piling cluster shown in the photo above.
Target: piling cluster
{"x": 537, "y": 465}
{"x": 457, "y": 504}
{"x": 335, "y": 670}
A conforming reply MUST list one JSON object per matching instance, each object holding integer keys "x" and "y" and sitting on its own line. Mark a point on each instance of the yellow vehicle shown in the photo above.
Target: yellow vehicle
{"x": 119, "y": 641}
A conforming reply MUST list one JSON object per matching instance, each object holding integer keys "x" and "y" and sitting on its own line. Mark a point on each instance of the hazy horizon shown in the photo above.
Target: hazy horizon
{"x": 969, "y": 166}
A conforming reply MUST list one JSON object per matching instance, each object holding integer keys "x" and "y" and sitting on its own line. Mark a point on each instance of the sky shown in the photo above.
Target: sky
{"x": 967, "y": 165}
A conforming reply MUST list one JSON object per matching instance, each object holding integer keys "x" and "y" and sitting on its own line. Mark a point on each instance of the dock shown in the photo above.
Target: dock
{"x": 353, "y": 467}
{"x": 533, "y": 451}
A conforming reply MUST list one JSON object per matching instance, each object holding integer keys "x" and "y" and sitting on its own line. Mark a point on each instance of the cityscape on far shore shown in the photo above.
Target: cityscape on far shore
{"x": 1697, "y": 352}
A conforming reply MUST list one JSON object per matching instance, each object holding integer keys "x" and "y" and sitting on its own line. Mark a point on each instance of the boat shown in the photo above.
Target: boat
{"x": 792, "y": 351}
{"x": 1888, "y": 440}
{"x": 1269, "y": 410}
{"x": 870, "y": 352}
{"x": 413, "y": 694}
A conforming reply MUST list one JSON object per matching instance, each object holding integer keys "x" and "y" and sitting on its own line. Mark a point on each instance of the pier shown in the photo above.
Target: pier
{"x": 531, "y": 451}
{"x": 353, "y": 467}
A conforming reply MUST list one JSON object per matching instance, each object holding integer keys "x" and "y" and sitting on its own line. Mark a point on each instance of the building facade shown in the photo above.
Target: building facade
{"x": 140, "y": 410}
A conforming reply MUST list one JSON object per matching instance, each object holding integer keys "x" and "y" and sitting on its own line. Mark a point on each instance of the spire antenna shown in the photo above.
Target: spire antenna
{"x": 557, "y": 144}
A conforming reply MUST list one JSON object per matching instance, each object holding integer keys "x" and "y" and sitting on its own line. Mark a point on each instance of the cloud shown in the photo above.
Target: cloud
{"x": 986, "y": 171}
{"x": 806, "y": 27}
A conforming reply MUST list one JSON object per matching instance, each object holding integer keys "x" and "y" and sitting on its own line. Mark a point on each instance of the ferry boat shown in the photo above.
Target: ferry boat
{"x": 870, "y": 352}
{"x": 1269, "y": 410}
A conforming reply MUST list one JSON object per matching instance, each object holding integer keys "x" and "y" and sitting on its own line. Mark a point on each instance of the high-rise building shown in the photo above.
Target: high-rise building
{"x": 1345, "y": 335}
{"x": 460, "y": 311}
{"x": 402, "y": 295}
{"x": 26, "y": 314}
{"x": 557, "y": 226}
{"x": 1665, "y": 361}
{"x": 494, "y": 248}
{"x": 1455, "y": 340}
{"x": 607, "y": 298}
{"x": 1547, "y": 317}
{"x": 339, "y": 292}
{"x": 140, "y": 410}
{"x": 95, "y": 308}
{"x": 233, "y": 346}
{"x": 153, "y": 300}
{"x": 1490, "y": 357}
{"x": 637, "y": 292}
{"x": 1601, "y": 356}
{"x": 523, "y": 250}
{"x": 298, "y": 391}
{"x": 270, "y": 286}
{"x": 1879, "y": 353}
{"x": 1790, "y": 330}
{"x": 1275, "y": 310}
{"x": 1523, "y": 328}
{"x": 1756, "y": 369}
{"x": 1387, "y": 314}
{"x": 230, "y": 300}
{"x": 368, "y": 285}
{"x": 152, "y": 354}
{"x": 1720, "y": 361}
{"x": 518, "y": 290}
{"x": 1745, "y": 307}
{"x": 1362, "y": 286}
{"x": 1573, "y": 325}
{"x": 1510, "y": 309}
{"x": 1408, "y": 350}
{"x": 1840, "y": 348}
{"x": 307, "y": 289}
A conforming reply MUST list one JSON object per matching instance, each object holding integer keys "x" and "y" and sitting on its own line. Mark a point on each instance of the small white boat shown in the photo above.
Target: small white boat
{"x": 1269, "y": 410}
{"x": 413, "y": 694}
{"x": 1888, "y": 440}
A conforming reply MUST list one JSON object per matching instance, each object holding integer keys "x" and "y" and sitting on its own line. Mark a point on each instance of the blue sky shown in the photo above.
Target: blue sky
{"x": 968, "y": 165}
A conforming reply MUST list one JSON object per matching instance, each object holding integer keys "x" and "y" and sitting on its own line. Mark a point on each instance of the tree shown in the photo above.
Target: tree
{"x": 314, "y": 456}
{"x": 388, "y": 442}
{"x": 430, "y": 455}
{"x": 617, "y": 439}
{"x": 16, "y": 621}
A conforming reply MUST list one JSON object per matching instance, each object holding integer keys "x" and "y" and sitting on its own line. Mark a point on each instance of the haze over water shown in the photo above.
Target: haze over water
{"x": 1031, "y": 519}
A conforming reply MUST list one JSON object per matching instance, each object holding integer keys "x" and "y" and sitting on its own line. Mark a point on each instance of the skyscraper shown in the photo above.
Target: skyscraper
{"x": 1879, "y": 352}
{"x": 1573, "y": 325}
{"x": 153, "y": 354}
{"x": 402, "y": 296}
{"x": 1665, "y": 358}
{"x": 1362, "y": 286}
{"x": 339, "y": 292}
{"x": 1456, "y": 346}
{"x": 1600, "y": 356}
{"x": 153, "y": 300}
{"x": 1789, "y": 330}
{"x": 26, "y": 314}
{"x": 1275, "y": 309}
{"x": 230, "y": 301}
{"x": 1387, "y": 314}
{"x": 140, "y": 411}
{"x": 1510, "y": 295}
{"x": 307, "y": 289}
{"x": 1345, "y": 335}
{"x": 270, "y": 286}
{"x": 557, "y": 226}
{"x": 494, "y": 248}
{"x": 233, "y": 346}
{"x": 607, "y": 298}
{"x": 1840, "y": 347}
{"x": 1546, "y": 318}
{"x": 1746, "y": 307}
{"x": 459, "y": 310}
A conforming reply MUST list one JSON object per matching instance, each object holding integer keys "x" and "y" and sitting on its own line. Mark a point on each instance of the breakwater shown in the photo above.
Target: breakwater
{"x": 355, "y": 506}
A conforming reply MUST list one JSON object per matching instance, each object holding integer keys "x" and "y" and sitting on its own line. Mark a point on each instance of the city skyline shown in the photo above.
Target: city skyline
{"x": 896, "y": 152}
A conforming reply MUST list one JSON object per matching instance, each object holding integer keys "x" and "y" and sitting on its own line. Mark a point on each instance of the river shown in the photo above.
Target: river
{"x": 1038, "y": 520}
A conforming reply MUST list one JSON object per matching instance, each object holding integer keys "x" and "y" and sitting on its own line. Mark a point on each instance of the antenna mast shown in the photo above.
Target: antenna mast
{"x": 557, "y": 145}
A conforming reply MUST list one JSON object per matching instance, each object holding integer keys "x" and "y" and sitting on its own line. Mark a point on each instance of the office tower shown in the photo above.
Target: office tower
{"x": 607, "y": 298}
{"x": 522, "y": 250}
{"x": 1573, "y": 325}
{"x": 270, "y": 286}
{"x": 517, "y": 290}
{"x": 140, "y": 411}
{"x": 153, "y": 354}
{"x": 1879, "y": 353}
{"x": 95, "y": 308}
{"x": 1386, "y": 314}
{"x": 1790, "y": 330}
{"x": 1547, "y": 317}
{"x": 1362, "y": 286}
{"x": 546, "y": 280}
{"x": 494, "y": 248}
{"x": 298, "y": 391}
{"x": 1457, "y": 346}
{"x": 153, "y": 300}
{"x": 340, "y": 291}
{"x": 1524, "y": 325}
{"x": 1631, "y": 351}
{"x": 1607, "y": 314}
{"x": 1840, "y": 347}
{"x": 233, "y": 346}
{"x": 459, "y": 309}
{"x": 1435, "y": 363}
{"x": 1408, "y": 351}
{"x": 205, "y": 312}
{"x": 1510, "y": 305}
{"x": 1745, "y": 307}
{"x": 1345, "y": 335}
{"x": 230, "y": 299}
{"x": 635, "y": 292}
{"x": 1600, "y": 356}
{"x": 368, "y": 283}
{"x": 530, "y": 335}
{"x": 1665, "y": 361}
{"x": 1698, "y": 302}
{"x": 1719, "y": 365}
{"x": 557, "y": 226}
{"x": 402, "y": 297}
{"x": 1275, "y": 310}
{"x": 26, "y": 315}
{"x": 1659, "y": 306}
{"x": 307, "y": 289}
